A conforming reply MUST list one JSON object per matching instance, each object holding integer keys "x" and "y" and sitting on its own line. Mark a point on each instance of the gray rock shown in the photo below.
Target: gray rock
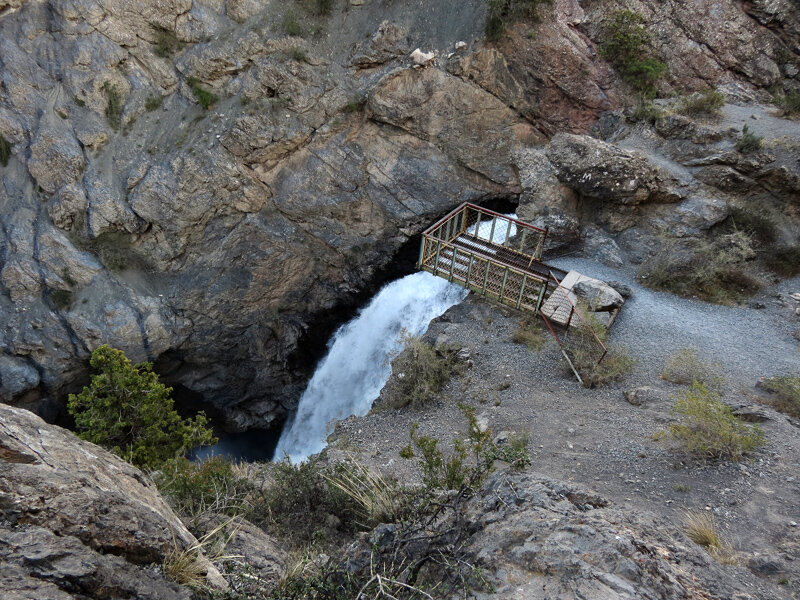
{"x": 602, "y": 247}
{"x": 644, "y": 395}
{"x": 94, "y": 520}
{"x": 599, "y": 296}
{"x": 622, "y": 289}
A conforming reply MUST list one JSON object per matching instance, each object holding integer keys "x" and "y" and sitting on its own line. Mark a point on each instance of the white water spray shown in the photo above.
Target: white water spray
{"x": 357, "y": 367}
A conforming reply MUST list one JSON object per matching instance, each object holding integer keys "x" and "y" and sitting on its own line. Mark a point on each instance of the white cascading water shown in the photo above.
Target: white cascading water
{"x": 357, "y": 366}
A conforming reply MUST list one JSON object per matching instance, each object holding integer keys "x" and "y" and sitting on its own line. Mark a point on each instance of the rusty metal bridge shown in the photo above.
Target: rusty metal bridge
{"x": 499, "y": 257}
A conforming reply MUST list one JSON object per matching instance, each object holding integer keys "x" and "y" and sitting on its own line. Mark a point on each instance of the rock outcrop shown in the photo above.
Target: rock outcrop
{"x": 75, "y": 519}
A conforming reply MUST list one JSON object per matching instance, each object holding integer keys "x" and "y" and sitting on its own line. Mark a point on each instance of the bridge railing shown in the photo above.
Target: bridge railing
{"x": 579, "y": 341}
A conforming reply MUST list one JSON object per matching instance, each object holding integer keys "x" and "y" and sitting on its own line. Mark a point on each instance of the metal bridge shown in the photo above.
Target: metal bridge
{"x": 499, "y": 257}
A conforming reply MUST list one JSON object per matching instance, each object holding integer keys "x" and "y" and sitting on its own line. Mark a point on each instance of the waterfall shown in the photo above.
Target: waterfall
{"x": 356, "y": 368}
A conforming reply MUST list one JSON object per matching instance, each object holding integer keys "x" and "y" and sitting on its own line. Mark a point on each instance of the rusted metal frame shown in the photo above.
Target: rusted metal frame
{"x": 508, "y": 233}
{"x": 436, "y": 262}
{"x": 486, "y": 276}
{"x": 469, "y": 268}
{"x": 503, "y": 287}
{"x": 491, "y": 231}
{"x": 540, "y": 299}
{"x": 573, "y": 310}
{"x": 497, "y": 214}
{"x": 452, "y": 264}
{"x": 444, "y": 219}
{"x": 522, "y": 289}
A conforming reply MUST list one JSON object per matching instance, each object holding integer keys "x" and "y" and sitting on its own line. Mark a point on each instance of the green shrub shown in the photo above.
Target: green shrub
{"x": 685, "y": 368}
{"x": 421, "y": 372}
{"x": 645, "y": 112}
{"x": 789, "y": 103}
{"x": 501, "y": 11}
{"x": 783, "y": 260}
{"x": 530, "y": 333}
{"x": 62, "y": 299}
{"x": 323, "y": 7}
{"x": 153, "y": 103}
{"x": 80, "y": 102}
{"x": 196, "y": 489}
{"x": 128, "y": 410}
{"x": 716, "y": 270}
{"x": 302, "y": 506}
{"x": 625, "y": 47}
{"x": 113, "y": 105}
{"x": 298, "y": 54}
{"x": 166, "y": 43}
{"x": 709, "y": 429}
{"x": 748, "y": 142}
{"x": 708, "y": 103}
{"x": 291, "y": 26}
{"x": 5, "y": 151}
{"x": 471, "y": 460}
{"x": 203, "y": 96}
{"x": 761, "y": 223}
{"x": 785, "y": 390}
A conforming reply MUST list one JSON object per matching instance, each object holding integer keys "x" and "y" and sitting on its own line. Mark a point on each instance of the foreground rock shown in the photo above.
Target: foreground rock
{"x": 74, "y": 518}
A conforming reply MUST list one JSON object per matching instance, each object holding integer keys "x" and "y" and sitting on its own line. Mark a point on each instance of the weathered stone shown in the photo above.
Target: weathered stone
{"x": 605, "y": 172}
{"x": 93, "y": 518}
{"x": 644, "y": 395}
{"x": 622, "y": 289}
{"x": 599, "y": 296}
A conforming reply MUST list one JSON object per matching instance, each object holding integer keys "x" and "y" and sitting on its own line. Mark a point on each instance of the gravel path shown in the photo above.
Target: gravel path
{"x": 746, "y": 342}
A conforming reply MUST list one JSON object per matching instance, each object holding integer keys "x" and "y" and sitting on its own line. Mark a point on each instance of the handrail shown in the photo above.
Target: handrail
{"x": 470, "y": 253}
{"x": 575, "y": 310}
{"x": 464, "y": 205}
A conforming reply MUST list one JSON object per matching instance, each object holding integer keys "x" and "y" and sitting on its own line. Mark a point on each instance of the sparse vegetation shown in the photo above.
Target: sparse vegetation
{"x": 153, "y": 103}
{"x": 113, "y": 105}
{"x": 290, "y": 24}
{"x": 709, "y": 429}
{"x": 530, "y": 333}
{"x": 708, "y": 103}
{"x": 301, "y": 505}
{"x": 421, "y": 371}
{"x": 701, "y": 528}
{"x": 61, "y": 299}
{"x": 789, "y": 103}
{"x": 196, "y": 489}
{"x": 748, "y": 142}
{"x": 166, "y": 43}
{"x": 5, "y": 151}
{"x": 205, "y": 98}
{"x": 584, "y": 351}
{"x": 501, "y": 11}
{"x": 354, "y": 105}
{"x": 297, "y": 54}
{"x": 715, "y": 270}
{"x": 128, "y": 410}
{"x": 323, "y": 7}
{"x": 783, "y": 260}
{"x": 645, "y": 112}
{"x": 785, "y": 391}
{"x": 625, "y": 47}
{"x": 685, "y": 368}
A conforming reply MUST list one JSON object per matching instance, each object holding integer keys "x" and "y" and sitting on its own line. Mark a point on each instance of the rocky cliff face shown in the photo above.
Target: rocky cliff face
{"x": 77, "y": 521}
{"x": 225, "y": 244}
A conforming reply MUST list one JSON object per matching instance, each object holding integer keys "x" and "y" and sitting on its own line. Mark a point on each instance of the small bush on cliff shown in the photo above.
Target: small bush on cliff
{"x": 785, "y": 390}
{"x": 195, "y": 489}
{"x": 203, "y": 96}
{"x": 748, "y": 142}
{"x": 167, "y": 43}
{"x": 625, "y": 47}
{"x": 5, "y": 151}
{"x": 421, "y": 371}
{"x": 709, "y": 429}
{"x": 127, "y": 410}
{"x": 501, "y": 11}
{"x": 707, "y": 103}
{"x": 113, "y": 105}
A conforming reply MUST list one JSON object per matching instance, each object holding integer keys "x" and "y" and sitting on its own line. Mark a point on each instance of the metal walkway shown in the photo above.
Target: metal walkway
{"x": 499, "y": 257}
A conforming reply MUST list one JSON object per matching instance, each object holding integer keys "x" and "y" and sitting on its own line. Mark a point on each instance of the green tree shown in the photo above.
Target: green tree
{"x": 127, "y": 410}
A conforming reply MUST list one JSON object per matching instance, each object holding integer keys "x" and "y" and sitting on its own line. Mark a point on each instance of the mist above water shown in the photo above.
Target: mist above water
{"x": 357, "y": 366}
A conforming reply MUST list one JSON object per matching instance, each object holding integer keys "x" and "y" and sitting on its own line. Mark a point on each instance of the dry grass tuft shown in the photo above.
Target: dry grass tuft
{"x": 701, "y": 528}
{"x": 685, "y": 367}
{"x": 378, "y": 498}
{"x": 189, "y": 566}
{"x": 530, "y": 333}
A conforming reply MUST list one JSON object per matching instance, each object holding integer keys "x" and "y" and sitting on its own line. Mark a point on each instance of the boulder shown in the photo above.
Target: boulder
{"x": 598, "y": 295}
{"x": 606, "y": 172}
{"x": 77, "y": 516}
{"x": 643, "y": 395}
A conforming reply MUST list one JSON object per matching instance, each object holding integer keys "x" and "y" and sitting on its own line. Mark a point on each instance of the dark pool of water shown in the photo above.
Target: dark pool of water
{"x": 250, "y": 446}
